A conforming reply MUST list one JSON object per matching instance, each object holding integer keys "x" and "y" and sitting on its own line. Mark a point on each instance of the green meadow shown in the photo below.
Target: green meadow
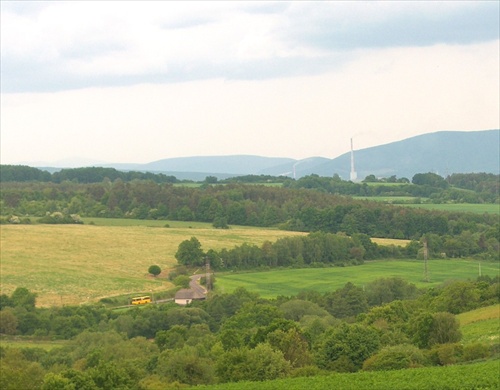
{"x": 74, "y": 264}
{"x": 270, "y": 284}
{"x": 481, "y": 325}
{"x": 489, "y": 208}
{"x": 410, "y": 201}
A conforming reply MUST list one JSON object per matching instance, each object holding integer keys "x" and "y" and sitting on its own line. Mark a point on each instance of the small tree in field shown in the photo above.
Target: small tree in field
{"x": 154, "y": 270}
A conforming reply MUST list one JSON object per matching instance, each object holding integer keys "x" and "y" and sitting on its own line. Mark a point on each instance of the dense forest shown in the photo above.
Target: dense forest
{"x": 309, "y": 204}
{"x": 388, "y": 324}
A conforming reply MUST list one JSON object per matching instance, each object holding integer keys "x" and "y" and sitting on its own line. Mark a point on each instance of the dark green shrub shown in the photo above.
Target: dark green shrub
{"x": 154, "y": 270}
{"x": 395, "y": 358}
{"x": 475, "y": 351}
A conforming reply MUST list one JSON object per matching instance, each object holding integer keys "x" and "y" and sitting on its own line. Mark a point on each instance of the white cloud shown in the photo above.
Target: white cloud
{"x": 142, "y": 81}
{"x": 65, "y": 45}
{"x": 380, "y": 97}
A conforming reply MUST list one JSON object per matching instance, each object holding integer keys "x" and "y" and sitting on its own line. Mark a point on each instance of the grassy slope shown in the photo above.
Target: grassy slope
{"x": 290, "y": 281}
{"x": 71, "y": 264}
{"x": 481, "y": 325}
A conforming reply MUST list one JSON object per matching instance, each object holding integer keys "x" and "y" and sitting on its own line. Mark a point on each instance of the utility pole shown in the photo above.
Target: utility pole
{"x": 426, "y": 255}
{"x": 207, "y": 275}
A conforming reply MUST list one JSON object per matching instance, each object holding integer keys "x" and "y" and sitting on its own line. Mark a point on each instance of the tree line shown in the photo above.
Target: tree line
{"x": 461, "y": 234}
{"x": 23, "y": 173}
{"x": 484, "y": 186}
{"x": 314, "y": 250}
{"x": 388, "y": 324}
{"x": 458, "y": 188}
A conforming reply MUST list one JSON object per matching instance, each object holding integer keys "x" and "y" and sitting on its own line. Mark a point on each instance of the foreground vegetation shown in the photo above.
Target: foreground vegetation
{"x": 387, "y": 326}
{"x": 460, "y": 377}
{"x": 330, "y": 303}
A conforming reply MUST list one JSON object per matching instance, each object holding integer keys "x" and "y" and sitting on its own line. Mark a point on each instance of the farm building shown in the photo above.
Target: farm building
{"x": 186, "y": 296}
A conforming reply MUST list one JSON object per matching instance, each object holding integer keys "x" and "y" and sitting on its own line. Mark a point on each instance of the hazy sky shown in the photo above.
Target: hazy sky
{"x": 142, "y": 81}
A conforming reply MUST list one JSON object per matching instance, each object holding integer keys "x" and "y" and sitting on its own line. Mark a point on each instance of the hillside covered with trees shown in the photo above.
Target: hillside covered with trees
{"x": 387, "y": 325}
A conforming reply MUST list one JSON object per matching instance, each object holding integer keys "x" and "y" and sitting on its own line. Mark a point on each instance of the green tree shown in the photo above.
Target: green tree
{"x": 8, "y": 322}
{"x": 16, "y": 372}
{"x": 262, "y": 363}
{"x": 185, "y": 365}
{"x": 182, "y": 281}
{"x": 385, "y": 290}
{"x": 190, "y": 253}
{"x": 458, "y": 297}
{"x": 154, "y": 270}
{"x": 293, "y": 345}
{"x": 430, "y": 179}
{"x": 348, "y": 301}
{"x": 24, "y": 298}
{"x": 427, "y": 329}
{"x": 53, "y": 381}
{"x": 220, "y": 222}
{"x": 346, "y": 348}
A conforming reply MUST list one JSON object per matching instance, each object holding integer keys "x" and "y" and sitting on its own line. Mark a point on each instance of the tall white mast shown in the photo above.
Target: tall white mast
{"x": 353, "y": 175}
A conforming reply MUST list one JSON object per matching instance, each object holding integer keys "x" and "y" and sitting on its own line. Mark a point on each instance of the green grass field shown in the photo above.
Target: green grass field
{"x": 409, "y": 201}
{"x": 481, "y": 325}
{"x": 73, "y": 264}
{"x": 489, "y": 208}
{"x": 270, "y": 284}
{"x": 478, "y": 376}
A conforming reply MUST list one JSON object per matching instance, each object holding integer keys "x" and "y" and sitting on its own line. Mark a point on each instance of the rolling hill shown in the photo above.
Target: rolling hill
{"x": 443, "y": 152}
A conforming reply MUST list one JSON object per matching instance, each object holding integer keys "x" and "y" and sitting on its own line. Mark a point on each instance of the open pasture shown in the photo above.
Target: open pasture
{"x": 270, "y": 284}
{"x": 410, "y": 201}
{"x": 72, "y": 264}
{"x": 481, "y": 325}
{"x": 488, "y": 208}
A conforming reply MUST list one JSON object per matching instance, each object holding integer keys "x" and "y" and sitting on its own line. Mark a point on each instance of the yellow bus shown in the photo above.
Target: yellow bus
{"x": 141, "y": 300}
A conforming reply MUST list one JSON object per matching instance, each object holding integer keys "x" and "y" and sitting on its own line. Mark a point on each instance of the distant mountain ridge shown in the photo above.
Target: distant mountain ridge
{"x": 443, "y": 152}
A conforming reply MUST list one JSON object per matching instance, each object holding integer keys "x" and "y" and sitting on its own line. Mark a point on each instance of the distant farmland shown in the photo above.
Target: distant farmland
{"x": 410, "y": 201}
{"x": 288, "y": 282}
{"x": 72, "y": 264}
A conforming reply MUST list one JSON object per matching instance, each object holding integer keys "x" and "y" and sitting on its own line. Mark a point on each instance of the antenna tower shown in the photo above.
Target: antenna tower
{"x": 353, "y": 175}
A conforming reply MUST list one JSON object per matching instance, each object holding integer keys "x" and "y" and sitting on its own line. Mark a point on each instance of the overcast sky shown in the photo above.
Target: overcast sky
{"x": 136, "y": 82}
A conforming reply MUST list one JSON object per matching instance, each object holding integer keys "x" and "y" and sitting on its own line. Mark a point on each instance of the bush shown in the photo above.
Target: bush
{"x": 182, "y": 281}
{"x": 154, "y": 270}
{"x": 445, "y": 354}
{"x": 475, "y": 351}
{"x": 395, "y": 358}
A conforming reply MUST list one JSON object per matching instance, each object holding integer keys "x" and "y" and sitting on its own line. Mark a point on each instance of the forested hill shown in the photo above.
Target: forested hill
{"x": 444, "y": 152}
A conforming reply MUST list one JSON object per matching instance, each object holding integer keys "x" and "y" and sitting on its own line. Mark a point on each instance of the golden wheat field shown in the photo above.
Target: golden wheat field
{"x": 73, "y": 264}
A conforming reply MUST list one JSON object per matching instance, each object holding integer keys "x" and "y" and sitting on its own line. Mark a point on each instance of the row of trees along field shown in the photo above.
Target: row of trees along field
{"x": 389, "y": 324}
{"x": 316, "y": 249}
